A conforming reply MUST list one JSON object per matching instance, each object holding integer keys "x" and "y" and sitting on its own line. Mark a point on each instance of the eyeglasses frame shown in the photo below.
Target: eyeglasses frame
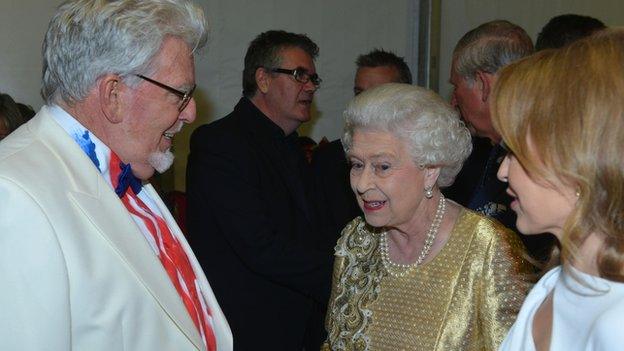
{"x": 314, "y": 78}
{"x": 184, "y": 96}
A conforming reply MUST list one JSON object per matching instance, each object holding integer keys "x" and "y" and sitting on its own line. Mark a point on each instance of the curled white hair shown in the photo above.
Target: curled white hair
{"x": 87, "y": 39}
{"x": 430, "y": 127}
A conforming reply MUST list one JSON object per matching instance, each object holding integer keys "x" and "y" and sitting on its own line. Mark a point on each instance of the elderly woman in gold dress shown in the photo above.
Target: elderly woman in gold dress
{"x": 418, "y": 272}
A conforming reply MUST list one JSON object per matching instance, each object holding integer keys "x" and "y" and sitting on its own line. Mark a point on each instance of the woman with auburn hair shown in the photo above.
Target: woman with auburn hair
{"x": 561, "y": 115}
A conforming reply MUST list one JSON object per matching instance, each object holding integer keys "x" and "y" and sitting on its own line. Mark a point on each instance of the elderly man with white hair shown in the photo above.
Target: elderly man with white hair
{"x": 90, "y": 258}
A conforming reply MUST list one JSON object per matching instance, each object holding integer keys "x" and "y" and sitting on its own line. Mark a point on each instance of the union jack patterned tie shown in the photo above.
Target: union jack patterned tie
{"x": 170, "y": 253}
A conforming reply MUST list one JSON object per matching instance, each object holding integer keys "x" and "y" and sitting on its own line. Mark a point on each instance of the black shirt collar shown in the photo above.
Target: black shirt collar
{"x": 261, "y": 123}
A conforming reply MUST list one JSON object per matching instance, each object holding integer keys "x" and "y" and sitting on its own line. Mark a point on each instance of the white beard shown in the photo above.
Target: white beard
{"x": 161, "y": 160}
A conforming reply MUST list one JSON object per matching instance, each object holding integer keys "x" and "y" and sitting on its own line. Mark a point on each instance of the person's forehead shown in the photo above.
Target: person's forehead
{"x": 296, "y": 57}
{"x": 379, "y": 73}
{"x": 174, "y": 59}
{"x": 376, "y": 141}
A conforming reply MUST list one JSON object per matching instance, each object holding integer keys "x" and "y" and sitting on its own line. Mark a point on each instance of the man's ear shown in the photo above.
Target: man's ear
{"x": 485, "y": 81}
{"x": 263, "y": 80}
{"x": 431, "y": 176}
{"x": 109, "y": 94}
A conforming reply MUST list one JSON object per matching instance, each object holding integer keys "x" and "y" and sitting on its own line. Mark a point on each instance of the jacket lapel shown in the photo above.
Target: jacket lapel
{"x": 220, "y": 325}
{"x": 102, "y": 207}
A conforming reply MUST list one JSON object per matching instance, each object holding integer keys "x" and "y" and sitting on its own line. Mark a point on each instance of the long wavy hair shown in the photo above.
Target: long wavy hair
{"x": 569, "y": 105}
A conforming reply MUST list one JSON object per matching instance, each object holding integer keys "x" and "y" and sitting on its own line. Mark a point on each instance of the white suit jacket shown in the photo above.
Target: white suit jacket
{"x": 75, "y": 271}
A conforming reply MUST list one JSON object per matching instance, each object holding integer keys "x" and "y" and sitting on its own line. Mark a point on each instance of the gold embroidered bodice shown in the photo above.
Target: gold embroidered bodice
{"x": 466, "y": 298}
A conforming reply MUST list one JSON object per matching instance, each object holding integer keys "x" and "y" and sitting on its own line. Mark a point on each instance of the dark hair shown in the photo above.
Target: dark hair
{"x": 265, "y": 50}
{"x": 9, "y": 113}
{"x": 564, "y": 29}
{"x": 26, "y": 111}
{"x": 382, "y": 58}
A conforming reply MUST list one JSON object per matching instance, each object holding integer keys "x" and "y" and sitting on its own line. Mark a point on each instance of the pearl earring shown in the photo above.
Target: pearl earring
{"x": 429, "y": 192}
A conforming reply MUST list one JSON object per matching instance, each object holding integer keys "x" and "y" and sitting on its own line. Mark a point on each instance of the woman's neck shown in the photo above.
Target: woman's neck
{"x": 586, "y": 259}
{"x": 414, "y": 232}
{"x": 405, "y": 247}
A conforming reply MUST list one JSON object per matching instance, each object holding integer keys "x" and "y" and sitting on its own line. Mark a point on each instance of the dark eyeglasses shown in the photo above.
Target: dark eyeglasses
{"x": 301, "y": 75}
{"x": 185, "y": 97}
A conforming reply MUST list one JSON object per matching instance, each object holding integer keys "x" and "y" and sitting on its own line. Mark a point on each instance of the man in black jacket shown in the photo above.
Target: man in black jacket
{"x": 251, "y": 216}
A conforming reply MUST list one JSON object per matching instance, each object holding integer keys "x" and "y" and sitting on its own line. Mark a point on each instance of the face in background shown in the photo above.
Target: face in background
{"x": 541, "y": 207}
{"x": 468, "y": 98}
{"x": 370, "y": 77}
{"x": 388, "y": 185}
{"x": 288, "y": 101}
{"x": 151, "y": 113}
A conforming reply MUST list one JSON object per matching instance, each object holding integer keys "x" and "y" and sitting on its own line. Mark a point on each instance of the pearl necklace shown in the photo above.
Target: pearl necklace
{"x": 399, "y": 269}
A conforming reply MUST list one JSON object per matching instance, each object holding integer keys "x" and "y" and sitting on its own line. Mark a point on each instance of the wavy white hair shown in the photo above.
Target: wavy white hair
{"x": 89, "y": 38}
{"x": 490, "y": 47}
{"x": 430, "y": 127}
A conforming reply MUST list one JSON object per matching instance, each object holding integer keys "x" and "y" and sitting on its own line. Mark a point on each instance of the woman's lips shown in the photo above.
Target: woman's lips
{"x": 373, "y": 205}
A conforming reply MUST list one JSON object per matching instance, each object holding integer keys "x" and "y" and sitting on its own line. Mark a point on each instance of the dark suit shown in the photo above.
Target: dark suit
{"x": 331, "y": 171}
{"x": 478, "y": 188}
{"x": 255, "y": 231}
{"x": 468, "y": 179}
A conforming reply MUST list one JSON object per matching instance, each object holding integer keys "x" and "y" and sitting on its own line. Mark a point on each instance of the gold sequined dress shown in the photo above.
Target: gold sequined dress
{"x": 466, "y": 298}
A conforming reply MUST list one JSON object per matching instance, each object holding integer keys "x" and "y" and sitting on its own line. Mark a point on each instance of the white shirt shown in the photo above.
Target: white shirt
{"x": 588, "y": 313}
{"x": 100, "y": 154}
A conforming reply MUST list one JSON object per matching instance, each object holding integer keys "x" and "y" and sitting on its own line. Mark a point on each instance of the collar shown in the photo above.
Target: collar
{"x": 94, "y": 148}
{"x": 259, "y": 122}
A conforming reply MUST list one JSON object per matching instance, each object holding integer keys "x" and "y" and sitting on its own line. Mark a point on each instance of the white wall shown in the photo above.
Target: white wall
{"x": 459, "y": 16}
{"x": 343, "y": 29}
{"x": 22, "y": 26}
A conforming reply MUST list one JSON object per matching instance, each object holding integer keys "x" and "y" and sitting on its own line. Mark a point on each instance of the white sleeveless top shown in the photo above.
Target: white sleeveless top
{"x": 588, "y": 318}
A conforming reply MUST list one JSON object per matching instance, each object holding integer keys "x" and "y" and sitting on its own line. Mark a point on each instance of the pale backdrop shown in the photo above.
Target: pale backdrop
{"x": 342, "y": 28}
{"x": 459, "y": 16}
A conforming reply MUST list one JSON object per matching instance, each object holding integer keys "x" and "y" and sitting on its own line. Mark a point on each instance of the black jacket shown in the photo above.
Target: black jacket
{"x": 253, "y": 226}
{"x": 331, "y": 171}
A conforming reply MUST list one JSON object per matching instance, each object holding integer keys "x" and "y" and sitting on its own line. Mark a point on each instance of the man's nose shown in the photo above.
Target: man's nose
{"x": 188, "y": 115}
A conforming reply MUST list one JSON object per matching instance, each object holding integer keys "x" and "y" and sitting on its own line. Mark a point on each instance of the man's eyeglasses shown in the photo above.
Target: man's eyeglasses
{"x": 185, "y": 97}
{"x": 301, "y": 75}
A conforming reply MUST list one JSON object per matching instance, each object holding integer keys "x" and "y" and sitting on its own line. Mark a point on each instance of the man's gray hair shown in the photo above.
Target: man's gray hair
{"x": 430, "y": 127}
{"x": 87, "y": 39}
{"x": 490, "y": 47}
